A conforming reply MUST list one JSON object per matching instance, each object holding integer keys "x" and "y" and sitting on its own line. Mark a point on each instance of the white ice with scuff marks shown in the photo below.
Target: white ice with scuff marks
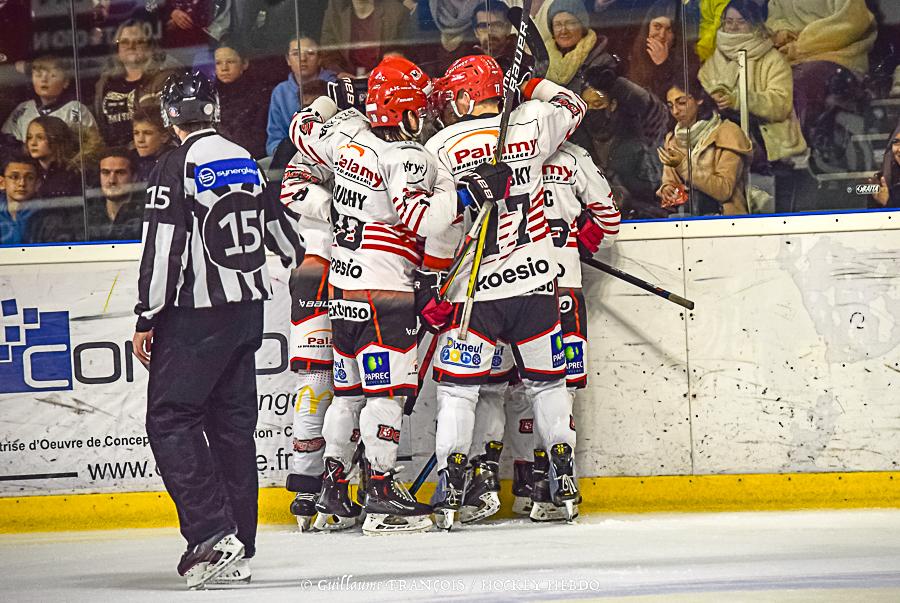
{"x": 785, "y": 556}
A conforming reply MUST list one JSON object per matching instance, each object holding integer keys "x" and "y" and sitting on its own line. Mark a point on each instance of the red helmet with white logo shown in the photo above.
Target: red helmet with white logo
{"x": 387, "y": 102}
{"x": 479, "y": 75}
{"x": 394, "y": 67}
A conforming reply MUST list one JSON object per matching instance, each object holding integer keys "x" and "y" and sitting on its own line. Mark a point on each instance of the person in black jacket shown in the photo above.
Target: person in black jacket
{"x": 202, "y": 283}
{"x": 244, "y": 114}
{"x": 115, "y": 214}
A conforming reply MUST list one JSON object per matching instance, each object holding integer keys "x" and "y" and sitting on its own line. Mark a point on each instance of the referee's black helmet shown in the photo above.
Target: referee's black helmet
{"x": 189, "y": 98}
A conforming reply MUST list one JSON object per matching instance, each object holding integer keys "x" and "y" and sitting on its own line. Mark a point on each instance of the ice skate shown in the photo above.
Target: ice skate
{"x": 391, "y": 508}
{"x": 209, "y": 559}
{"x": 482, "y": 497}
{"x": 239, "y": 573}
{"x": 521, "y": 487}
{"x": 335, "y": 509}
{"x": 542, "y": 508}
{"x": 303, "y": 507}
{"x": 563, "y": 485}
{"x": 451, "y": 487}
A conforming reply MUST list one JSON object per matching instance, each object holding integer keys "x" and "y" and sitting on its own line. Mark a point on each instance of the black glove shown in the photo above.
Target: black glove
{"x": 487, "y": 182}
{"x": 347, "y": 93}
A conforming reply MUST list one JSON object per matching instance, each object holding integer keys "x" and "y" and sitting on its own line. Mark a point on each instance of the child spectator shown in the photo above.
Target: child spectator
{"x": 706, "y": 153}
{"x": 243, "y": 117}
{"x": 135, "y": 72}
{"x": 115, "y": 214}
{"x": 359, "y": 33}
{"x": 19, "y": 181}
{"x": 52, "y": 144}
{"x": 51, "y": 80}
{"x": 150, "y": 140}
{"x": 303, "y": 59}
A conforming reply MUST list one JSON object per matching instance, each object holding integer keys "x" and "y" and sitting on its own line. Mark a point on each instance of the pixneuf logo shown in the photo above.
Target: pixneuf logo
{"x": 460, "y": 353}
{"x": 376, "y": 369}
{"x": 557, "y": 349}
{"x": 34, "y": 350}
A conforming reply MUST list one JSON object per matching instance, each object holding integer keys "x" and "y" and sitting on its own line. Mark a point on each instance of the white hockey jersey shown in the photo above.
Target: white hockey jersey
{"x": 573, "y": 183}
{"x": 518, "y": 251}
{"x": 382, "y": 200}
{"x": 306, "y": 189}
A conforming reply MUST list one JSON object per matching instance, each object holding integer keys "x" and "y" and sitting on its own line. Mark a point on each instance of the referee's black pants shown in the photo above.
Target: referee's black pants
{"x": 201, "y": 415}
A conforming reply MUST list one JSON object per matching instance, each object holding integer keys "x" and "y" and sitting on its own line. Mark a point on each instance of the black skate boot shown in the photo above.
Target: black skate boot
{"x": 391, "y": 508}
{"x": 563, "y": 485}
{"x": 336, "y": 510}
{"x": 364, "y": 468}
{"x": 483, "y": 492}
{"x": 303, "y": 507}
{"x": 521, "y": 487}
{"x": 542, "y": 507}
{"x": 211, "y": 558}
{"x": 448, "y": 496}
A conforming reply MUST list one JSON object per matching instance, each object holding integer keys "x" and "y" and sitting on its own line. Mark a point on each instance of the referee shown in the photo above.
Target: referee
{"x": 201, "y": 288}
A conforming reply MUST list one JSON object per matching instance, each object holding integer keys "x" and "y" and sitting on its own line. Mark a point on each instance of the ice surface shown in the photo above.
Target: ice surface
{"x": 786, "y": 556}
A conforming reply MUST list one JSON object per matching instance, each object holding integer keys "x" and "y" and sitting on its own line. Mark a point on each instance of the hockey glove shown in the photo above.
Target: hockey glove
{"x": 434, "y": 313}
{"x": 347, "y": 93}
{"x": 590, "y": 235}
{"x": 486, "y": 183}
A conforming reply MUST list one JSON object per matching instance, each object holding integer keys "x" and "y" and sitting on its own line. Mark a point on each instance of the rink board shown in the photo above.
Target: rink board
{"x": 786, "y": 366}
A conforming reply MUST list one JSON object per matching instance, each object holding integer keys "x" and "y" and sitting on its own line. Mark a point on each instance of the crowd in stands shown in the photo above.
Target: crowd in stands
{"x": 82, "y": 131}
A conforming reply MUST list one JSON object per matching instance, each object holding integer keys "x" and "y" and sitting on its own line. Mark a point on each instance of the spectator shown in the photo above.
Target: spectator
{"x": 494, "y": 33}
{"x": 710, "y": 19}
{"x": 709, "y": 154}
{"x": 52, "y": 144}
{"x": 286, "y": 150}
{"x": 888, "y": 194}
{"x": 190, "y": 22}
{"x": 135, "y": 73}
{"x": 51, "y": 80}
{"x": 574, "y": 47}
{"x": 654, "y": 63}
{"x": 773, "y": 124}
{"x": 818, "y": 37}
{"x": 453, "y": 19}
{"x": 19, "y": 180}
{"x": 116, "y": 214}
{"x": 150, "y": 140}
{"x": 303, "y": 59}
{"x": 357, "y": 34}
{"x": 243, "y": 117}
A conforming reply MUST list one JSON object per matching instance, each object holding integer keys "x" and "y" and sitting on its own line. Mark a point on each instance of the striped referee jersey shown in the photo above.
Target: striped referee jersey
{"x": 207, "y": 223}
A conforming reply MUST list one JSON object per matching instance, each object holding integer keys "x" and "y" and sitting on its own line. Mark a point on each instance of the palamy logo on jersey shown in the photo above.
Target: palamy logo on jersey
{"x": 352, "y": 169}
{"x": 559, "y": 174}
{"x": 376, "y": 368}
{"x": 557, "y": 350}
{"x": 34, "y": 350}
{"x": 474, "y": 148}
{"x": 460, "y": 353}
{"x": 574, "y": 358}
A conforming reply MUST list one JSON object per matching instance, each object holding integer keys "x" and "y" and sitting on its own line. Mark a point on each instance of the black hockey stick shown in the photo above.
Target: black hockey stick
{"x": 672, "y": 297}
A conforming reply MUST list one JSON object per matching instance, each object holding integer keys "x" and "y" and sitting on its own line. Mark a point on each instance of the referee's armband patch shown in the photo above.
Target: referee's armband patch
{"x": 226, "y": 171}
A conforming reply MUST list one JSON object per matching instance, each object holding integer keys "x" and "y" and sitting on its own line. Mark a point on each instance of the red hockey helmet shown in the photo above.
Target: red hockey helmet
{"x": 479, "y": 75}
{"x": 387, "y": 102}
{"x": 393, "y": 67}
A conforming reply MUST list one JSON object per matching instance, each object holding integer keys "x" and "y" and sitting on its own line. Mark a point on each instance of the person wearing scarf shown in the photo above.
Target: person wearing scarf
{"x": 888, "y": 194}
{"x": 704, "y": 152}
{"x": 770, "y": 84}
{"x": 572, "y": 45}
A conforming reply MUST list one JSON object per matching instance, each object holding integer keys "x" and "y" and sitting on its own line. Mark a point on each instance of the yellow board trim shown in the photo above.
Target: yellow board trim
{"x": 752, "y": 492}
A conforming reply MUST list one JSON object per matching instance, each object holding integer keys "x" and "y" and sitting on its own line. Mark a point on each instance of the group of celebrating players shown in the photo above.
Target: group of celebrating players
{"x": 383, "y": 218}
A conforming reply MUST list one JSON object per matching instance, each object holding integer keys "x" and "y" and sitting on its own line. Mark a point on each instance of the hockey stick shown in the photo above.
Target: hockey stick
{"x": 672, "y": 297}
{"x": 510, "y": 86}
{"x": 423, "y": 474}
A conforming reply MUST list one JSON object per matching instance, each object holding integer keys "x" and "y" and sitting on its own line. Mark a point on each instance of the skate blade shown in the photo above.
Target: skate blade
{"x": 546, "y": 511}
{"x": 377, "y": 524}
{"x": 232, "y": 551}
{"x": 571, "y": 511}
{"x": 240, "y": 573}
{"x": 490, "y": 505}
{"x": 522, "y": 505}
{"x": 333, "y": 523}
{"x": 444, "y": 518}
{"x": 304, "y": 522}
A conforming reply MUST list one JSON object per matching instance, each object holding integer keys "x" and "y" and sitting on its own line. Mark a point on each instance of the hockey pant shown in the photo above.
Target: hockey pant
{"x": 201, "y": 416}
{"x": 375, "y": 368}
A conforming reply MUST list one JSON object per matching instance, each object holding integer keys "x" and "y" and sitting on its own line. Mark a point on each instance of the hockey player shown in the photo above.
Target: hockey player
{"x": 515, "y": 290}
{"x": 201, "y": 288}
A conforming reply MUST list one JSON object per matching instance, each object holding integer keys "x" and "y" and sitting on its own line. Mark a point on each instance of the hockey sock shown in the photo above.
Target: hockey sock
{"x": 455, "y": 420}
{"x": 553, "y": 420}
{"x": 379, "y": 426}
{"x": 340, "y": 421}
{"x": 489, "y": 417}
{"x": 314, "y": 396}
{"x": 520, "y": 436}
